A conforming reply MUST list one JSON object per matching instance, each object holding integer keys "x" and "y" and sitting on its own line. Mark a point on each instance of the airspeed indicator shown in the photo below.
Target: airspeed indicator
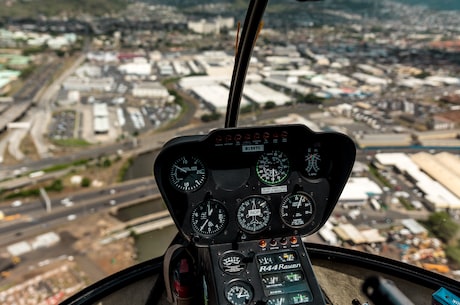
{"x": 187, "y": 174}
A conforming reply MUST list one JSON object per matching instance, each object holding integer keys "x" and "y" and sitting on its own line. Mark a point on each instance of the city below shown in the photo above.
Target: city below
{"x": 87, "y": 102}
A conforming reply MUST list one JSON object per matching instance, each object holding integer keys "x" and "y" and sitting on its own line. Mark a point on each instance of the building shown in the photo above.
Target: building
{"x": 215, "y": 25}
{"x": 440, "y": 138}
{"x": 215, "y": 63}
{"x": 443, "y": 167}
{"x": 446, "y": 120}
{"x": 437, "y": 196}
{"x": 89, "y": 84}
{"x": 384, "y": 139}
{"x": 414, "y": 227}
{"x": 153, "y": 90}
{"x": 358, "y": 190}
{"x": 261, "y": 94}
{"x": 139, "y": 66}
{"x": 100, "y": 118}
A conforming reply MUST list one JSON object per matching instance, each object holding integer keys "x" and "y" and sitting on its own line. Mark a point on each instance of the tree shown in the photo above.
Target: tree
{"x": 85, "y": 182}
{"x": 56, "y": 186}
{"x": 106, "y": 162}
{"x": 210, "y": 117}
{"x": 442, "y": 225}
{"x": 269, "y": 105}
{"x": 310, "y": 99}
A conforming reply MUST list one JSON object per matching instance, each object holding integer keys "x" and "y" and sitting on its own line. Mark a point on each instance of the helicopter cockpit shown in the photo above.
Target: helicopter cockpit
{"x": 243, "y": 199}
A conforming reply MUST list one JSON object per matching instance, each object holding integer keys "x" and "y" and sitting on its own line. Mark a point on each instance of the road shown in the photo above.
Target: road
{"x": 35, "y": 218}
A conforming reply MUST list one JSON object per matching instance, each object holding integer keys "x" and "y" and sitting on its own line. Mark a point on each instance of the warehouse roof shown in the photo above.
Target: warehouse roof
{"x": 435, "y": 192}
{"x": 384, "y": 139}
{"x": 260, "y": 93}
{"x": 413, "y": 226}
{"x": 349, "y": 232}
{"x": 443, "y": 168}
{"x": 359, "y": 188}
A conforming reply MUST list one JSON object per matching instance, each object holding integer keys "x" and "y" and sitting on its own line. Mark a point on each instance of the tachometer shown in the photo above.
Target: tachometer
{"x": 272, "y": 167}
{"x": 187, "y": 174}
{"x": 209, "y": 218}
{"x": 254, "y": 214}
{"x": 297, "y": 209}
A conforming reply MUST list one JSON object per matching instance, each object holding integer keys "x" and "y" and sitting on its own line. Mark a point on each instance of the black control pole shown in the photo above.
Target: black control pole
{"x": 243, "y": 56}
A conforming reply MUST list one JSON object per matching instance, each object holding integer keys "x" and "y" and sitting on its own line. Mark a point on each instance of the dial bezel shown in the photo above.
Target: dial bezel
{"x": 273, "y": 167}
{"x": 242, "y": 285}
{"x": 308, "y": 208}
{"x": 243, "y": 211}
{"x": 213, "y": 207}
{"x": 188, "y": 183}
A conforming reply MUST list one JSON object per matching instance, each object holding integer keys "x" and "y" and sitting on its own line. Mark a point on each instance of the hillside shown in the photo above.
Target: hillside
{"x": 67, "y": 8}
{"x": 445, "y": 5}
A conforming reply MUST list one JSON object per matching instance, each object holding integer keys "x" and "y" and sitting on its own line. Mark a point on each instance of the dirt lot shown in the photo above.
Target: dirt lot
{"x": 80, "y": 243}
{"x": 90, "y": 231}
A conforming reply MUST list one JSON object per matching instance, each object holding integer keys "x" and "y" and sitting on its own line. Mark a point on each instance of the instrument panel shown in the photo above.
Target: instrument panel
{"x": 276, "y": 274}
{"x": 243, "y": 184}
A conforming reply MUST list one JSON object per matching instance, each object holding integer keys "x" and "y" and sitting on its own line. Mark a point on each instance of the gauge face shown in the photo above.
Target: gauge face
{"x": 187, "y": 174}
{"x": 272, "y": 167}
{"x": 239, "y": 293}
{"x": 313, "y": 163}
{"x": 297, "y": 210}
{"x": 232, "y": 262}
{"x": 209, "y": 218}
{"x": 254, "y": 214}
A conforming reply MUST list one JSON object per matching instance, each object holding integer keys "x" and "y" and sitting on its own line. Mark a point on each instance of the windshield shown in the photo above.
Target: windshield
{"x": 90, "y": 92}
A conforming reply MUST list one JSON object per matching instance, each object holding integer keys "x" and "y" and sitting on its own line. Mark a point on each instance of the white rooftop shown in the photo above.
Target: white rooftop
{"x": 436, "y": 193}
{"x": 359, "y": 188}
{"x": 413, "y": 226}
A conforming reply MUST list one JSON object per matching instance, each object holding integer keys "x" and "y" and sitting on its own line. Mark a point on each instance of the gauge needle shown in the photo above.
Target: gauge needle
{"x": 240, "y": 294}
{"x": 204, "y": 224}
{"x": 180, "y": 168}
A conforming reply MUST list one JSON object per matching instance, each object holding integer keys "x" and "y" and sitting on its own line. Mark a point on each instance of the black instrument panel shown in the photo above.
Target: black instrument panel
{"x": 249, "y": 183}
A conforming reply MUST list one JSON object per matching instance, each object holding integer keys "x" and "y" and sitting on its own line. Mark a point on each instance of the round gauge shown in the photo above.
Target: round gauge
{"x": 232, "y": 262}
{"x": 272, "y": 167}
{"x": 297, "y": 209}
{"x": 239, "y": 293}
{"x": 187, "y": 174}
{"x": 253, "y": 214}
{"x": 209, "y": 218}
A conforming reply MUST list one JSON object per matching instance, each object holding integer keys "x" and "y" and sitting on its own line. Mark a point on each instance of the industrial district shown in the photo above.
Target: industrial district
{"x": 83, "y": 116}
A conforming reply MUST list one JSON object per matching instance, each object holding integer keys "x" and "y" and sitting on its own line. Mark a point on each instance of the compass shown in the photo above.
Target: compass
{"x": 209, "y": 218}
{"x": 272, "y": 167}
{"x": 297, "y": 209}
{"x": 239, "y": 293}
{"x": 253, "y": 214}
{"x": 187, "y": 174}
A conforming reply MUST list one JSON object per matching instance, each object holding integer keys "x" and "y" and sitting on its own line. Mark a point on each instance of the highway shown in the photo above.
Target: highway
{"x": 36, "y": 219}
